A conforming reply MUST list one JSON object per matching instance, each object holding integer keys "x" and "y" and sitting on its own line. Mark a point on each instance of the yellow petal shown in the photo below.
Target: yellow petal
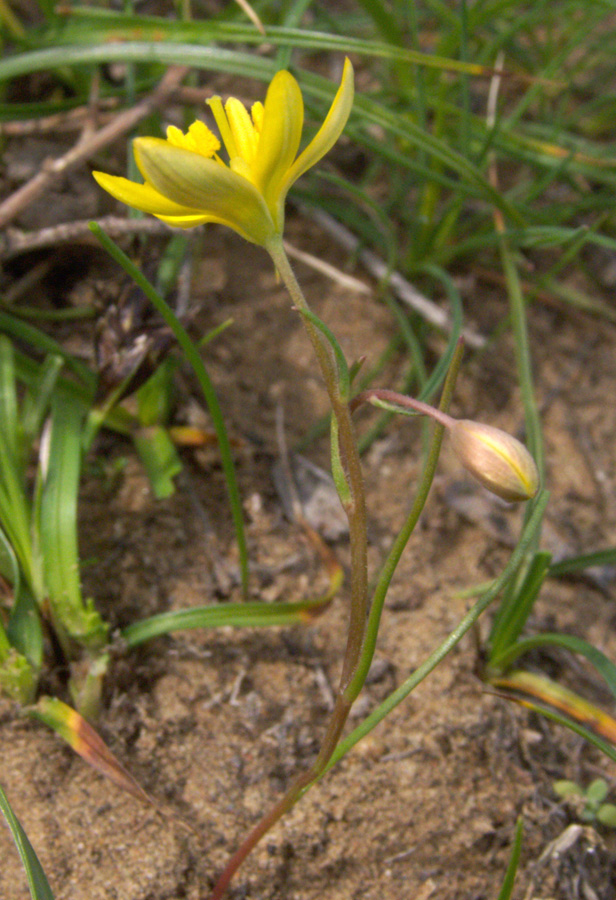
{"x": 140, "y": 196}
{"x": 329, "y": 132}
{"x": 191, "y": 221}
{"x": 204, "y": 186}
{"x": 281, "y": 131}
{"x": 244, "y": 132}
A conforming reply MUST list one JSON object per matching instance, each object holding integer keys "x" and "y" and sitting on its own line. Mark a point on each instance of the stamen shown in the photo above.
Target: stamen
{"x": 198, "y": 140}
{"x": 257, "y": 112}
{"x": 215, "y": 104}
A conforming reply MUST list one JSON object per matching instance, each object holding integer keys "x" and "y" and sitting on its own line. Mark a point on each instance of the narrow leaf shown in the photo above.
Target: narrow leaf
{"x": 85, "y": 741}
{"x": 516, "y": 607}
{"x": 37, "y": 880}
{"x": 73, "y": 618}
{"x": 241, "y": 615}
{"x": 344, "y": 378}
{"x": 605, "y": 557}
{"x": 549, "y": 692}
{"x": 512, "y": 868}
{"x": 561, "y": 719}
{"x": 192, "y": 356}
{"x": 599, "y": 660}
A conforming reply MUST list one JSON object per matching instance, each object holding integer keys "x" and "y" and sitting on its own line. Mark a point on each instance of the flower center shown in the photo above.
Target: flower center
{"x": 199, "y": 139}
{"x": 240, "y": 132}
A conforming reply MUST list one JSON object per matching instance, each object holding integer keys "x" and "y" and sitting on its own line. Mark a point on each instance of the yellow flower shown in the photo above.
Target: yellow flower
{"x": 187, "y": 183}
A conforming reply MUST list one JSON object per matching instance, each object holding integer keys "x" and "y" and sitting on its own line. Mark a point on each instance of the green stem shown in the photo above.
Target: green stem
{"x": 403, "y": 537}
{"x": 355, "y": 509}
{"x": 522, "y": 352}
{"x": 449, "y": 643}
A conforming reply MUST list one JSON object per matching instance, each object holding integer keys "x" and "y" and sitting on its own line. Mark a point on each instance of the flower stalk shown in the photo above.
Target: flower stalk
{"x": 355, "y": 508}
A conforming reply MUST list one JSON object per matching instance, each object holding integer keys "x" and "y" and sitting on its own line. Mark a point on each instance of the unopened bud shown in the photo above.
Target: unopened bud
{"x": 496, "y": 459}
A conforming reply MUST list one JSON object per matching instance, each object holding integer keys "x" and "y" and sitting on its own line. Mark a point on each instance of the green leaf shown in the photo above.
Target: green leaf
{"x": 597, "y": 791}
{"x": 515, "y": 609}
{"x": 9, "y": 568}
{"x": 344, "y": 378}
{"x": 565, "y": 788}
{"x": 160, "y": 459}
{"x": 38, "y": 397}
{"x": 606, "y": 814}
{"x": 90, "y": 26}
{"x": 605, "y": 557}
{"x": 571, "y": 724}
{"x": 240, "y": 615}
{"x": 37, "y": 880}
{"x": 14, "y": 505}
{"x": 21, "y": 645}
{"x": 596, "y": 657}
{"x": 509, "y": 880}
{"x": 44, "y": 344}
{"x": 74, "y": 619}
{"x": 9, "y": 420}
{"x": 25, "y": 630}
{"x": 155, "y": 397}
{"x": 338, "y": 474}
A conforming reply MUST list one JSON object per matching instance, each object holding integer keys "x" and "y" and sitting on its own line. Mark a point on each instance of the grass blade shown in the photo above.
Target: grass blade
{"x": 605, "y": 557}
{"x": 241, "y": 615}
{"x": 516, "y": 607}
{"x": 509, "y": 880}
{"x": 192, "y": 355}
{"x": 604, "y": 666}
{"x": 86, "y": 742}
{"x": 37, "y": 880}
{"x": 583, "y": 718}
{"x": 74, "y": 620}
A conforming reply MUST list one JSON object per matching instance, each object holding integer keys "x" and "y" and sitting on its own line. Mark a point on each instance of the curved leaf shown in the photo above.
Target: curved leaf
{"x": 595, "y": 657}
{"x": 37, "y": 880}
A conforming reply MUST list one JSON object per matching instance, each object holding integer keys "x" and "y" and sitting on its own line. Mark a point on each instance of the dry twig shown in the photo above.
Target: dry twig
{"x": 89, "y": 144}
{"x": 14, "y": 241}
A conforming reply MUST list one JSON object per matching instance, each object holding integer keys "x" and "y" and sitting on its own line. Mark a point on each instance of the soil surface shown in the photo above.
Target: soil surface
{"x": 215, "y": 724}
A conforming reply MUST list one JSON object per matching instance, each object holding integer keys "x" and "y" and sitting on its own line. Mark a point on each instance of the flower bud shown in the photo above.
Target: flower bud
{"x": 496, "y": 459}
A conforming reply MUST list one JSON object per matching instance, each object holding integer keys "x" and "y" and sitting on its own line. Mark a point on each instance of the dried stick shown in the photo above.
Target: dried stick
{"x": 15, "y": 241}
{"x": 90, "y": 144}
{"x": 402, "y": 288}
{"x": 58, "y": 123}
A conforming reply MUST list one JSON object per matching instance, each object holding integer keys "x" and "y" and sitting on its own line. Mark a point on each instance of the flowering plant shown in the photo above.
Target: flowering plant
{"x": 188, "y": 183}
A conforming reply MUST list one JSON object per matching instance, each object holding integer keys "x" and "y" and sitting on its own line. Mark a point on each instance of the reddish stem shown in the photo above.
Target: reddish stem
{"x": 403, "y": 401}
